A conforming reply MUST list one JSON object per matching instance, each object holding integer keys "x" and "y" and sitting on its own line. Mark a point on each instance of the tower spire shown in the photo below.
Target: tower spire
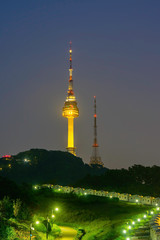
{"x": 95, "y": 124}
{"x": 95, "y": 158}
{"x": 70, "y": 61}
{"x": 70, "y": 87}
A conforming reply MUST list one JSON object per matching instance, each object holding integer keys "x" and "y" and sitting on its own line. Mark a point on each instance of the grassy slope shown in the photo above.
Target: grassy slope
{"x": 98, "y": 216}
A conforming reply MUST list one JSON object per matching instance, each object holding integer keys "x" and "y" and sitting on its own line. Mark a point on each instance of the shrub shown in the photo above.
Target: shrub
{"x": 6, "y": 207}
{"x": 6, "y": 232}
{"x": 16, "y": 207}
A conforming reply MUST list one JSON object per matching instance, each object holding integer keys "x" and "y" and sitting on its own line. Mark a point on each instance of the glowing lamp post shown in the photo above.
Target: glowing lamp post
{"x": 31, "y": 228}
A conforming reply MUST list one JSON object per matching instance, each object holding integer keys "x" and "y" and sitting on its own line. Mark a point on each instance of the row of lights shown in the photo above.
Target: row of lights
{"x": 138, "y": 221}
{"x": 136, "y": 200}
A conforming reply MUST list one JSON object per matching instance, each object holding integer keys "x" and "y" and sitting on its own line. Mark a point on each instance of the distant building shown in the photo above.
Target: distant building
{"x": 7, "y": 157}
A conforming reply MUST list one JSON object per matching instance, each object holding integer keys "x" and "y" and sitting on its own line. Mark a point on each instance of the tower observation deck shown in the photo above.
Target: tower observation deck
{"x": 95, "y": 158}
{"x": 70, "y": 109}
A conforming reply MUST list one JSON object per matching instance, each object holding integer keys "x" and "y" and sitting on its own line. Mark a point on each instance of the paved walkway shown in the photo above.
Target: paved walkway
{"x": 67, "y": 233}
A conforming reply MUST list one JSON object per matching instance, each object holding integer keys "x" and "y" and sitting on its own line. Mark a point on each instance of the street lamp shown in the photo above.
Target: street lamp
{"x": 31, "y": 228}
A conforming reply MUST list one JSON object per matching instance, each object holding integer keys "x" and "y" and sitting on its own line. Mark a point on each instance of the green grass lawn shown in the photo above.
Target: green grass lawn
{"x": 102, "y": 218}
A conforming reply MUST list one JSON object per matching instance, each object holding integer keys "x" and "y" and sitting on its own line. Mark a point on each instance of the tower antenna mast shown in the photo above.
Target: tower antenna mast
{"x": 95, "y": 158}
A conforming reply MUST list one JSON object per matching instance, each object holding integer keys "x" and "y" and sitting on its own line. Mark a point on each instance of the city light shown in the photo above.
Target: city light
{"x": 26, "y": 160}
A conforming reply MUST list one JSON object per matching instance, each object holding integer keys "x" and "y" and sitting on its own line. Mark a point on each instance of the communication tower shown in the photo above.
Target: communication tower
{"x": 70, "y": 109}
{"x": 95, "y": 158}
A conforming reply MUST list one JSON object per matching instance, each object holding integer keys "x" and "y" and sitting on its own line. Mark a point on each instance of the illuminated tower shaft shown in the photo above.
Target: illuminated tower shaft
{"x": 95, "y": 158}
{"x": 70, "y": 109}
{"x": 70, "y": 133}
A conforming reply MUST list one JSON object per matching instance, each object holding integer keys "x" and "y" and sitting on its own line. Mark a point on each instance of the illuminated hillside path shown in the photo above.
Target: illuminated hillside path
{"x": 67, "y": 233}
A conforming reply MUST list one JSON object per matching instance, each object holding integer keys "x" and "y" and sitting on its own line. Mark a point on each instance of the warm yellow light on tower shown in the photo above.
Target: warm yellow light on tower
{"x": 70, "y": 109}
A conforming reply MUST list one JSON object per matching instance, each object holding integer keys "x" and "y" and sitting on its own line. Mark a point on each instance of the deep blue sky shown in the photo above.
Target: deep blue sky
{"x": 116, "y": 56}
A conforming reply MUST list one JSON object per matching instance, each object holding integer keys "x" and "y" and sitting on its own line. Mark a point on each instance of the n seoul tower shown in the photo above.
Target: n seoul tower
{"x": 95, "y": 158}
{"x": 70, "y": 109}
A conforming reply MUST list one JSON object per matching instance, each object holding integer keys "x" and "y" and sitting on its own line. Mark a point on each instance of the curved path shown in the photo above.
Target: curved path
{"x": 67, "y": 233}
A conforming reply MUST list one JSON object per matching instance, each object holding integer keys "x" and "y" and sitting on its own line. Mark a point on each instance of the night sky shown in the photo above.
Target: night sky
{"x": 116, "y": 56}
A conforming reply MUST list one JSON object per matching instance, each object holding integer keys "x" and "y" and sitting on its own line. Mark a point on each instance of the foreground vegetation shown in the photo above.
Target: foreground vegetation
{"x": 100, "y": 217}
{"x": 17, "y": 223}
